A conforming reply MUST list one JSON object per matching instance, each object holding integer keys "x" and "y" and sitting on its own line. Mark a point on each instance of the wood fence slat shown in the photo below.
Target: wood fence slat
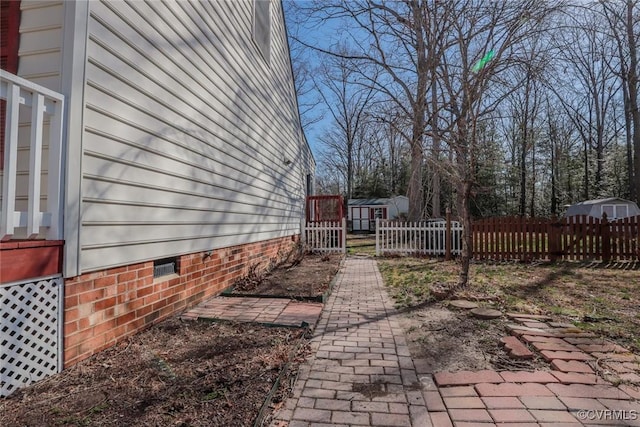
{"x": 593, "y": 234}
{"x": 572, "y": 238}
{"x": 584, "y": 241}
{"x": 625, "y": 238}
{"x": 504, "y": 235}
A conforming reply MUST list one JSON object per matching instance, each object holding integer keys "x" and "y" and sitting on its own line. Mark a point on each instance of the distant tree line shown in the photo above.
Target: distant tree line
{"x": 485, "y": 107}
{"x": 566, "y": 127}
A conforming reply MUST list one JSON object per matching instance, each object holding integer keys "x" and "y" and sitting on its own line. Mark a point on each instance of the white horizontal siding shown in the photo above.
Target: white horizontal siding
{"x": 40, "y": 49}
{"x": 186, "y": 132}
{"x": 39, "y": 60}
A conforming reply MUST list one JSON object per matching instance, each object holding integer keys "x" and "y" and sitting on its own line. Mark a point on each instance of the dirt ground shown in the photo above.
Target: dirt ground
{"x": 601, "y": 300}
{"x": 449, "y": 339}
{"x": 308, "y": 279}
{"x": 176, "y": 373}
{"x": 181, "y": 373}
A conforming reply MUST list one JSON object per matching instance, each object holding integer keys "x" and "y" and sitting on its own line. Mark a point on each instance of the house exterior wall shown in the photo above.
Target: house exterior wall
{"x": 102, "y": 308}
{"x": 191, "y": 141}
{"x": 40, "y": 48}
{"x": 181, "y": 141}
{"x": 39, "y": 60}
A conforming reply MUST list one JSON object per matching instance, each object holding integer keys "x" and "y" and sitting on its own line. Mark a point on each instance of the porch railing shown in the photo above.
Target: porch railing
{"x": 33, "y": 105}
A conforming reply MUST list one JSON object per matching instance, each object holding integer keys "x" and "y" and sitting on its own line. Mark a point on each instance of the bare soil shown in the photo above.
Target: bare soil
{"x": 178, "y": 373}
{"x": 450, "y": 339}
{"x": 309, "y": 277}
{"x": 182, "y": 373}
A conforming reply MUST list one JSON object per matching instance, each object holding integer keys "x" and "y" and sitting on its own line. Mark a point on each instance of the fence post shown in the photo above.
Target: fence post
{"x": 552, "y": 235}
{"x": 377, "y": 236}
{"x": 343, "y": 232}
{"x": 448, "y": 237}
{"x": 605, "y": 233}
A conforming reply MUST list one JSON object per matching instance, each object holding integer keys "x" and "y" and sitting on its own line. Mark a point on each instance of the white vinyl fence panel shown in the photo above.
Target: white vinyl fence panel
{"x": 326, "y": 236}
{"x": 423, "y": 237}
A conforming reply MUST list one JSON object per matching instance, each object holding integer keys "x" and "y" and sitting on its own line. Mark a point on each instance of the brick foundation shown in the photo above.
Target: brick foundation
{"x": 102, "y": 308}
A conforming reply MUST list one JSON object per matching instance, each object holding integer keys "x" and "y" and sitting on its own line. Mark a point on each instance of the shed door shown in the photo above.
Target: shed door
{"x": 9, "y": 35}
{"x": 360, "y": 218}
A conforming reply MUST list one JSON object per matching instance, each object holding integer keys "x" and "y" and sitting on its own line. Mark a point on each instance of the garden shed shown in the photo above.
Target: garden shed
{"x": 362, "y": 213}
{"x": 614, "y": 207}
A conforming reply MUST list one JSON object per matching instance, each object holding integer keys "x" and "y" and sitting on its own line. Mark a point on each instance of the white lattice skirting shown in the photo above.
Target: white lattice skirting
{"x": 30, "y": 332}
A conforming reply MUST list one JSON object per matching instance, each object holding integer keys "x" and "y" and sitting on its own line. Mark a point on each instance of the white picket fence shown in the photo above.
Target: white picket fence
{"x": 424, "y": 237}
{"x": 325, "y": 236}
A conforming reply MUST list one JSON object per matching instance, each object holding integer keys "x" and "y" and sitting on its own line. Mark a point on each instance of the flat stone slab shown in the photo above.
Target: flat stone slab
{"x": 571, "y": 366}
{"x": 528, "y": 377}
{"x": 577, "y": 378}
{"x": 554, "y": 346}
{"x": 464, "y": 304}
{"x": 536, "y": 324}
{"x": 516, "y": 329}
{"x": 539, "y": 317}
{"x": 550, "y": 355}
{"x": 622, "y": 367}
{"x": 560, "y": 325}
{"x": 466, "y": 377}
{"x": 587, "y": 341}
{"x": 516, "y": 349}
{"x": 535, "y": 338}
{"x": 602, "y": 348}
{"x": 513, "y": 390}
{"x": 617, "y": 357}
{"x": 271, "y": 311}
{"x": 486, "y": 313}
{"x": 591, "y": 391}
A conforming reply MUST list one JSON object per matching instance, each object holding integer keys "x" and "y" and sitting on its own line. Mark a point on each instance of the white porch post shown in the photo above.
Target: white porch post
{"x": 10, "y": 167}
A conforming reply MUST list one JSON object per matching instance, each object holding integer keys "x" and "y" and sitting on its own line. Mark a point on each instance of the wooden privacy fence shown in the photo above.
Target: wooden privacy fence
{"x": 577, "y": 238}
{"x": 423, "y": 237}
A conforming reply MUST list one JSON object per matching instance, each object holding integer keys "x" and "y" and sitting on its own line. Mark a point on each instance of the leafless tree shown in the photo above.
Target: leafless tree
{"x": 488, "y": 40}
{"x": 395, "y": 41}
{"x": 347, "y": 103}
{"x": 587, "y": 88}
{"x": 623, "y": 20}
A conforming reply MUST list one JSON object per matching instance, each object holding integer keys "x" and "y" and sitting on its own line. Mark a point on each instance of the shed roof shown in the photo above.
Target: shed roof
{"x": 599, "y": 201}
{"x": 368, "y": 202}
{"x": 593, "y": 207}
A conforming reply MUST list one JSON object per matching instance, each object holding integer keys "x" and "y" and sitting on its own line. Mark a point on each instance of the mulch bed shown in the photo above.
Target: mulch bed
{"x": 178, "y": 373}
{"x": 307, "y": 279}
{"x": 183, "y": 373}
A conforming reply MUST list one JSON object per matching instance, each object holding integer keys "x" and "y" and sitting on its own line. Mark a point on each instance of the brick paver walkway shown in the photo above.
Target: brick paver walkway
{"x": 273, "y": 311}
{"x": 362, "y": 374}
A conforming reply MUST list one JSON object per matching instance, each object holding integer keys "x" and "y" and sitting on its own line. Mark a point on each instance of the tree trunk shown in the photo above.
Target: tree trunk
{"x": 523, "y": 155}
{"x": 633, "y": 97}
{"x": 435, "y": 200}
{"x": 586, "y": 170}
{"x": 414, "y": 190}
{"x": 523, "y": 172}
{"x": 463, "y": 199}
